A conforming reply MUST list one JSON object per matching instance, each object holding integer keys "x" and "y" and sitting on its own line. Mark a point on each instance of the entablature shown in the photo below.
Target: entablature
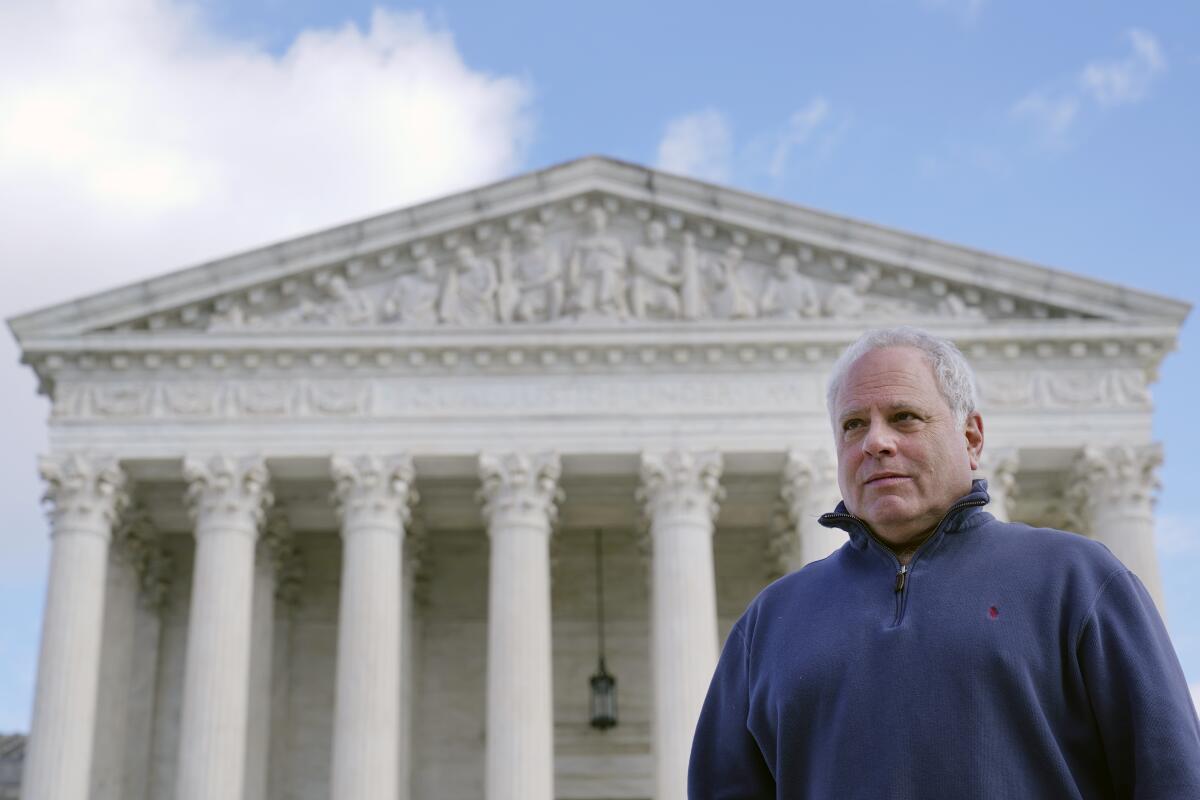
{"x": 649, "y": 349}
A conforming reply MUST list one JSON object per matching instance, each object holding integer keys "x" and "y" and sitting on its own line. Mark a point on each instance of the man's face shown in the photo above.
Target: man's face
{"x": 902, "y": 460}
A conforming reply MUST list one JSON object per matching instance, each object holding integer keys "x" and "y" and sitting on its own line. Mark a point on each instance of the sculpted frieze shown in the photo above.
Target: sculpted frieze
{"x": 600, "y": 397}
{"x": 197, "y": 400}
{"x": 122, "y": 400}
{"x": 191, "y": 399}
{"x": 264, "y": 399}
{"x": 780, "y": 392}
{"x": 1082, "y": 389}
{"x": 597, "y": 267}
{"x": 339, "y": 399}
{"x": 69, "y": 400}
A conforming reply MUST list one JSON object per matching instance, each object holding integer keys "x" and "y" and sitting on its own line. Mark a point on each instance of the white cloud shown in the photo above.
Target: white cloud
{"x": 1113, "y": 83}
{"x": 1053, "y": 111}
{"x": 699, "y": 145}
{"x": 1052, "y": 115}
{"x": 133, "y": 139}
{"x": 702, "y": 144}
{"x": 800, "y": 128}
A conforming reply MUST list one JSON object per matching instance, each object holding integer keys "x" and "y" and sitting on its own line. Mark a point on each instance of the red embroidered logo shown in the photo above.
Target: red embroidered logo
{"x": 993, "y": 612}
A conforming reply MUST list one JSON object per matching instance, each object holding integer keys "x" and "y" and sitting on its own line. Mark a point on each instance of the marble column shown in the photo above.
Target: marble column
{"x": 156, "y": 572}
{"x": 374, "y": 495}
{"x": 810, "y": 489}
{"x": 520, "y": 495}
{"x": 1111, "y": 493}
{"x": 135, "y": 585}
{"x": 415, "y": 545}
{"x": 681, "y": 492}
{"x": 999, "y": 466}
{"x": 86, "y": 497}
{"x": 227, "y": 498}
{"x": 272, "y": 568}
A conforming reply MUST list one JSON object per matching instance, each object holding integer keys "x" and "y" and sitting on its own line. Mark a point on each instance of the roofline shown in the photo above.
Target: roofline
{"x": 844, "y": 234}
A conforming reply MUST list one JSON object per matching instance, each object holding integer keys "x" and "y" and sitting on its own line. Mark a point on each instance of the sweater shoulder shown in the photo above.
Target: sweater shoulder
{"x": 1059, "y": 566}
{"x": 1030, "y": 543}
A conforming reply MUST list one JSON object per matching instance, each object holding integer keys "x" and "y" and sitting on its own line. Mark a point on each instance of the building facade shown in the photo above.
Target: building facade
{"x": 324, "y": 514}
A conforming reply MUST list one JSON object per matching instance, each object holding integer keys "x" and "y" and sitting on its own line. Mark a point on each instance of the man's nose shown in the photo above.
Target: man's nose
{"x": 879, "y": 441}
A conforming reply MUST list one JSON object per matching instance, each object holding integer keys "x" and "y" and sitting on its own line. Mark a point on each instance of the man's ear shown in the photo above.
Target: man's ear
{"x": 974, "y": 436}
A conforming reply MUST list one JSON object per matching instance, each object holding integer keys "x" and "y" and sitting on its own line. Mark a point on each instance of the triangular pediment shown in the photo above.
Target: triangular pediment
{"x": 597, "y": 241}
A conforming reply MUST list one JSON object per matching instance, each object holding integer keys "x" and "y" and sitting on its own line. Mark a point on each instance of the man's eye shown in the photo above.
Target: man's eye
{"x": 851, "y": 424}
{"x": 904, "y": 416}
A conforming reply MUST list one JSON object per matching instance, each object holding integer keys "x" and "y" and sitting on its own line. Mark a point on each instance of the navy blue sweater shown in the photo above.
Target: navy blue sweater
{"x": 1005, "y": 662}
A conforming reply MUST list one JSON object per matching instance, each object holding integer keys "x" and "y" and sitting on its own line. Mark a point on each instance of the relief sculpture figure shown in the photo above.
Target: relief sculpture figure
{"x": 231, "y": 318}
{"x": 539, "y": 278}
{"x": 953, "y": 305}
{"x": 654, "y": 289}
{"x": 469, "y": 294}
{"x": 732, "y": 300}
{"x": 414, "y": 298}
{"x": 596, "y": 272}
{"x": 848, "y": 301}
{"x": 339, "y": 305}
{"x": 349, "y": 307}
{"x": 508, "y": 293}
{"x": 789, "y": 293}
{"x": 691, "y": 288}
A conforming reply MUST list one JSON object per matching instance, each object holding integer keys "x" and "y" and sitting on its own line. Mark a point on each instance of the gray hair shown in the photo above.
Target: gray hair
{"x": 954, "y": 376}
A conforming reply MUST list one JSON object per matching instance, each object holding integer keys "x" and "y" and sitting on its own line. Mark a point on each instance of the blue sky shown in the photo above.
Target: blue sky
{"x": 138, "y": 136}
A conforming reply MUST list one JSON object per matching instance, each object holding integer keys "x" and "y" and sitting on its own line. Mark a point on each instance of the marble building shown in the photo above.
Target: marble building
{"x": 323, "y": 513}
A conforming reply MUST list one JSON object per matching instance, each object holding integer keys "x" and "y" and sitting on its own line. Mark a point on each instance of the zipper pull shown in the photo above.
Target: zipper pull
{"x": 901, "y": 577}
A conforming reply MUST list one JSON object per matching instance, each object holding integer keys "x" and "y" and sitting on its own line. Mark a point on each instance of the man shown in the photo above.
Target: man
{"x": 941, "y": 653}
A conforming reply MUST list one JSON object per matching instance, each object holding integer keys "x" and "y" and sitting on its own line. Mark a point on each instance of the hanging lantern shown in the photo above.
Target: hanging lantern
{"x": 603, "y": 685}
{"x": 604, "y": 698}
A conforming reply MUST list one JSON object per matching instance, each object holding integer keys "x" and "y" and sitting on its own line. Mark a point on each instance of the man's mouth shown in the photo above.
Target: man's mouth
{"x": 885, "y": 479}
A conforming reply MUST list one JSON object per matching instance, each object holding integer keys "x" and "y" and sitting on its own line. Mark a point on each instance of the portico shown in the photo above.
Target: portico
{"x": 323, "y": 513}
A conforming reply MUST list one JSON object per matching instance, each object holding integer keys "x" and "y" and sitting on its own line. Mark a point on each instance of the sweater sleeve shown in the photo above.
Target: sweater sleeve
{"x": 1139, "y": 696}
{"x": 726, "y": 762}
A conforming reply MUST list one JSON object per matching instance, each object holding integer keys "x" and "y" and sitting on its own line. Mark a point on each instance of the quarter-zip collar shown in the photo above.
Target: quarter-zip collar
{"x": 956, "y": 517}
{"x": 862, "y": 537}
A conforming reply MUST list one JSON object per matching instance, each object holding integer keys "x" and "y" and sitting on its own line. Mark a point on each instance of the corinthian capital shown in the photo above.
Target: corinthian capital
{"x": 520, "y": 487}
{"x": 138, "y": 544}
{"x": 681, "y": 483}
{"x": 227, "y": 493}
{"x": 83, "y": 493}
{"x": 1119, "y": 477}
{"x": 999, "y": 467}
{"x": 374, "y": 491}
{"x": 809, "y": 488}
{"x": 278, "y": 544}
{"x": 809, "y": 481}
